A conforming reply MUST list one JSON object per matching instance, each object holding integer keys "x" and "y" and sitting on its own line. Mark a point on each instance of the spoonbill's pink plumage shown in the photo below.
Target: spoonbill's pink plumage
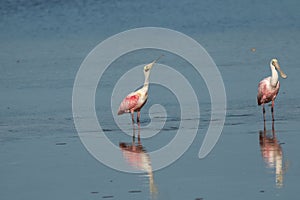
{"x": 128, "y": 103}
{"x": 268, "y": 88}
{"x": 266, "y": 92}
{"x": 136, "y": 100}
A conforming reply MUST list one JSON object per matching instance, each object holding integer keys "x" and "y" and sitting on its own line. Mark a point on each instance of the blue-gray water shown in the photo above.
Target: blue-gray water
{"x": 42, "y": 47}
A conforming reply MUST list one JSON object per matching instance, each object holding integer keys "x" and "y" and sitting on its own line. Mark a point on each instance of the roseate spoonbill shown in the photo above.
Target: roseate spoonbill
{"x": 134, "y": 101}
{"x": 268, "y": 88}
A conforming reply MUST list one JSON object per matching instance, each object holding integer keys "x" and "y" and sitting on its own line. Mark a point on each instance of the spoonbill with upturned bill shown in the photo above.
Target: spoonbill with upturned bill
{"x": 134, "y": 101}
{"x": 268, "y": 88}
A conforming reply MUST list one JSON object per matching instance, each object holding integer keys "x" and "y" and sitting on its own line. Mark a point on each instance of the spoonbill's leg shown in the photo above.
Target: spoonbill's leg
{"x": 272, "y": 110}
{"x": 133, "y": 134}
{"x": 264, "y": 112}
{"x": 138, "y": 117}
{"x": 132, "y": 116}
{"x": 265, "y": 128}
{"x": 139, "y": 133}
{"x": 273, "y": 129}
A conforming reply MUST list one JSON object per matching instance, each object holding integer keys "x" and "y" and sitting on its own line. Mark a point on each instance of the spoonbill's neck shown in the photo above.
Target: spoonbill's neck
{"x": 147, "y": 75}
{"x": 274, "y": 77}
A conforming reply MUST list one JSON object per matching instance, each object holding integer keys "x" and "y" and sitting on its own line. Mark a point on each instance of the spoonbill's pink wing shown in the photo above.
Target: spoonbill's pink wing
{"x": 261, "y": 91}
{"x": 128, "y": 103}
{"x": 266, "y": 92}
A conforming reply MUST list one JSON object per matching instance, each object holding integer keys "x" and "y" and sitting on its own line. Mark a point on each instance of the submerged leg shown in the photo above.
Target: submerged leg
{"x": 272, "y": 110}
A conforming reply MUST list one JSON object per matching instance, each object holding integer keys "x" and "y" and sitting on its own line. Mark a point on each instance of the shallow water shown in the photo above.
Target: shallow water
{"x": 42, "y": 47}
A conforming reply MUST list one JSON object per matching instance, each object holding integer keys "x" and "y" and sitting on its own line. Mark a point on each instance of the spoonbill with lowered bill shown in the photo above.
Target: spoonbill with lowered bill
{"x": 268, "y": 88}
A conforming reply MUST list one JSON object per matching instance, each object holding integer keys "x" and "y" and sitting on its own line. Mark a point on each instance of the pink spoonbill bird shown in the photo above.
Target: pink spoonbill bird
{"x": 268, "y": 88}
{"x": 134, "y": 101}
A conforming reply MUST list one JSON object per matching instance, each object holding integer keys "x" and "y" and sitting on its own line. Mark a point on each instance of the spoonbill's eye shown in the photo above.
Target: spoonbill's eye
{"x": 146, "y": 68}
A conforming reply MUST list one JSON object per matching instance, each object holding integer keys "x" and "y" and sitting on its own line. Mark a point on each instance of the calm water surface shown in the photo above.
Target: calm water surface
{"x": 42, "y": 47}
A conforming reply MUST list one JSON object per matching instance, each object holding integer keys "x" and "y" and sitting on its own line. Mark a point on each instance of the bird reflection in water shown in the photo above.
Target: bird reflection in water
{"x": 271, "y": 152}
{"x": 136, "y": 155}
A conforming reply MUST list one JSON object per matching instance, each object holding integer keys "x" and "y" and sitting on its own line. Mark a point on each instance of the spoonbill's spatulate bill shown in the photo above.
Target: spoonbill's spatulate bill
{"x": 268, "y": 88}
{"x": 134, "y": 101}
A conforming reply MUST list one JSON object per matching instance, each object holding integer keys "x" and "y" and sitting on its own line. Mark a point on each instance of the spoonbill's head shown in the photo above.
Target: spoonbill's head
{"x": 148, "y": 67}
{"x": 274, "y": 62}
